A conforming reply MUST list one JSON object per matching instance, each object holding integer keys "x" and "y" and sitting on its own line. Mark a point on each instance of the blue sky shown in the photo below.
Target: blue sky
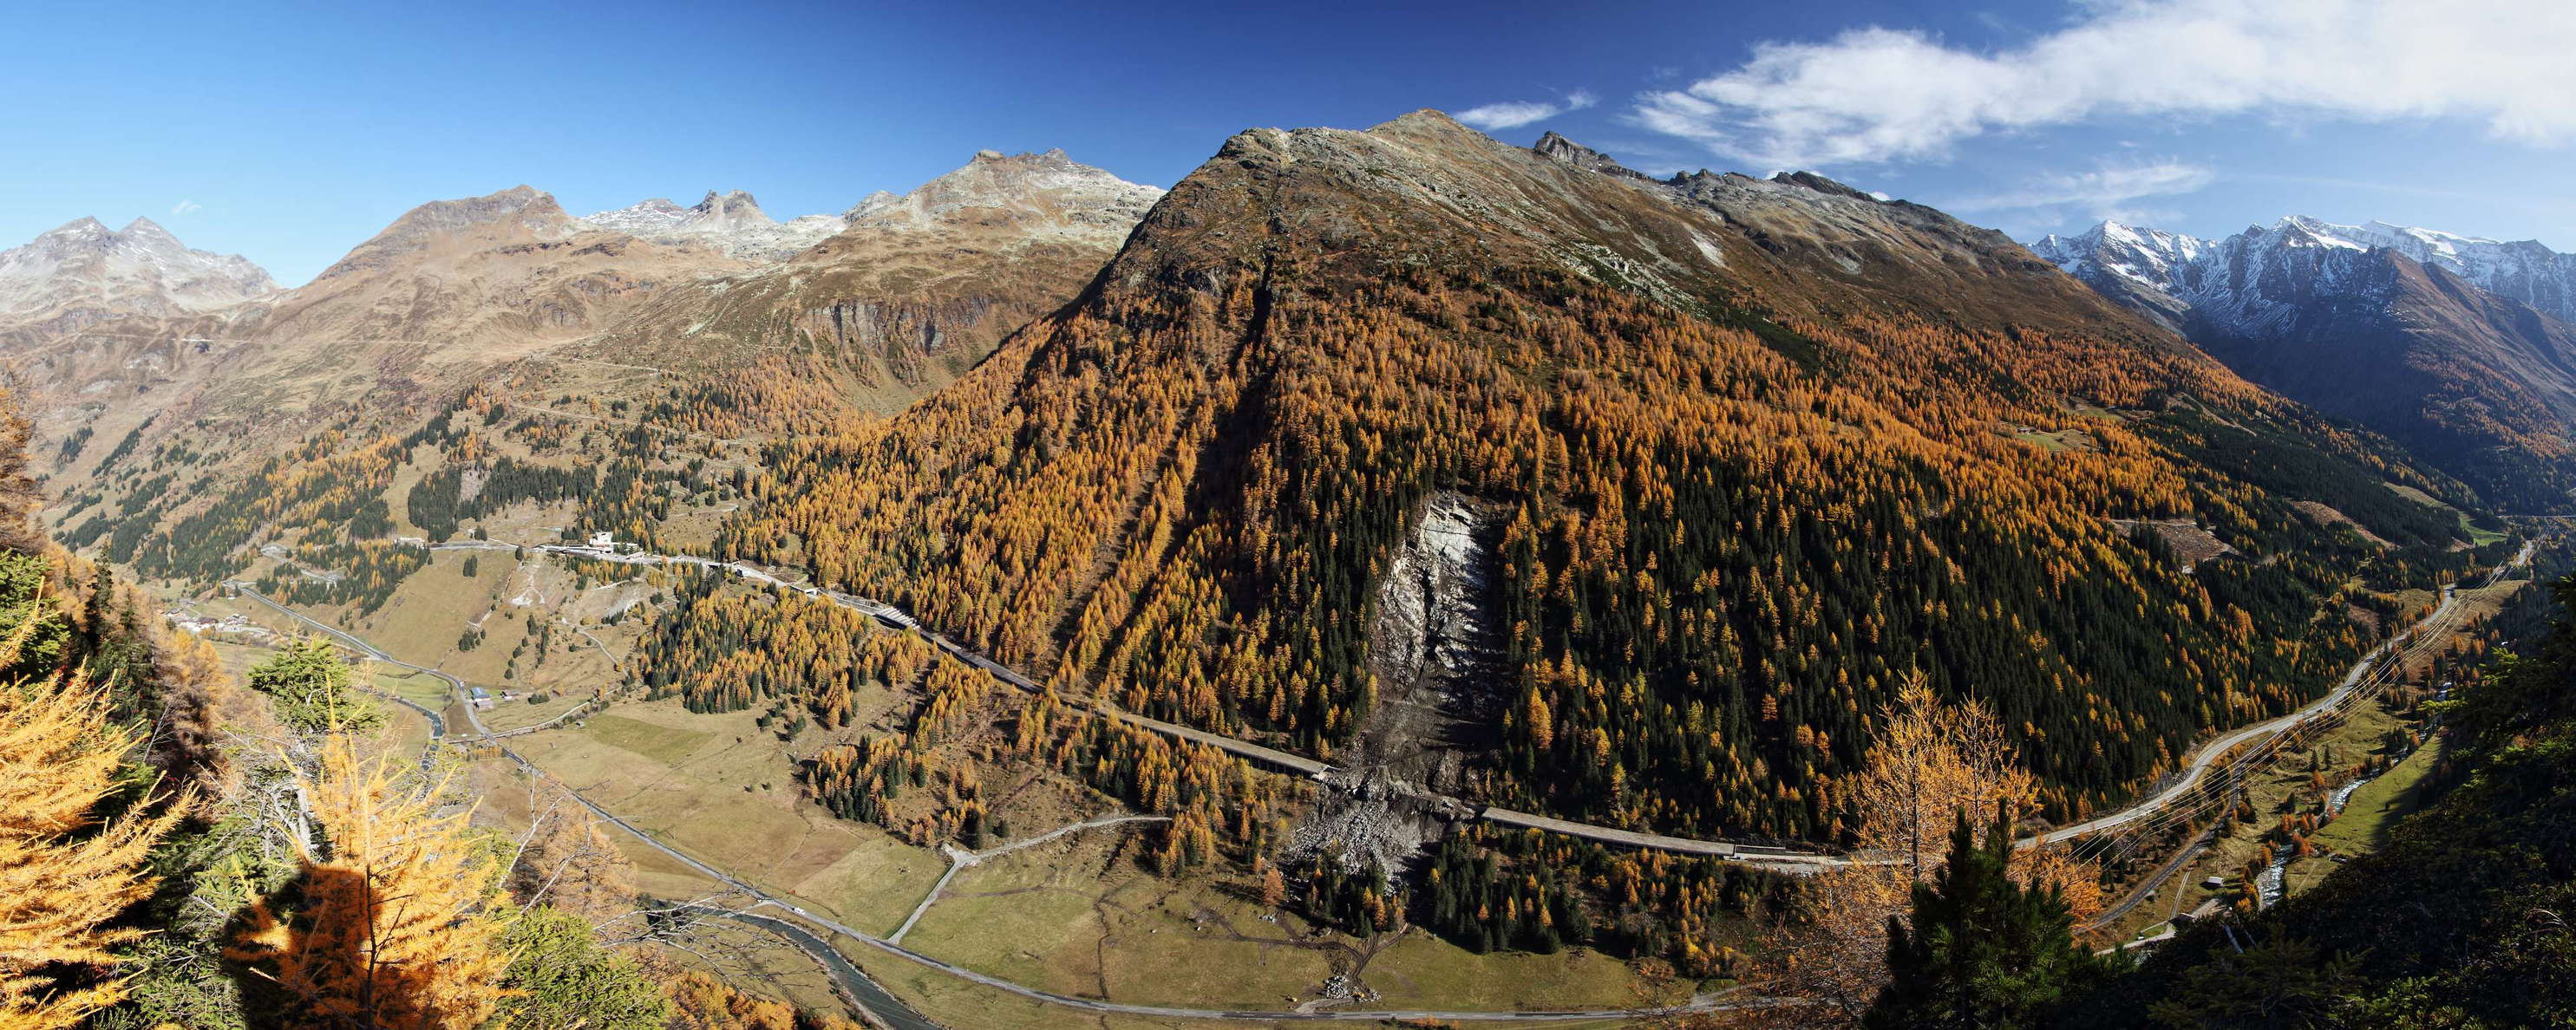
{"x": 291, "y": 132}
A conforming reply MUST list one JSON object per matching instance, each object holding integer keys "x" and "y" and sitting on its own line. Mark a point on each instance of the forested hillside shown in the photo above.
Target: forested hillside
{"x": 1754, "y": 453}
{"x": 2459, "y": 921}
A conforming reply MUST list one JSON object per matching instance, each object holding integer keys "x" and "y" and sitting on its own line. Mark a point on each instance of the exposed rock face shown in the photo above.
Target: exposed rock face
{"x": 517, "y": 214}
{"x": 1559, "y": 148}
{"x": 83, "y": 272}
{"x": 1430, "y": 645}
{"x": 732, "y": 222}
{"x": 1431, "y": 648}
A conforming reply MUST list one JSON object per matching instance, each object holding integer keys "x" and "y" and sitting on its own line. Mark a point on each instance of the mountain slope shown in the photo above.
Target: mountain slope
{"x": 912, "y": 290}
{"x": 2349, "y": 320}
{"x": 1741, "y": 456}
{"x": 2522, "y": 270}
{"x": 447, "y": 292}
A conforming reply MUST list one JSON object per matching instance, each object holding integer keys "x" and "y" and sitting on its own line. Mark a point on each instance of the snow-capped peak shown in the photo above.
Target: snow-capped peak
{"x": 2229, "y": 280}
{"x": 2141, "y": 255}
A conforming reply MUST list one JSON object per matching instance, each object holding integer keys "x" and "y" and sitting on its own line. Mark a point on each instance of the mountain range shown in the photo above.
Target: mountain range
{"x": 114, "y": 333}
{"x": 2455, "y": 346}
{"x": 84, "y": 272}
{"x": 1692, "y": 429}
{"x": 1462, "y": 477}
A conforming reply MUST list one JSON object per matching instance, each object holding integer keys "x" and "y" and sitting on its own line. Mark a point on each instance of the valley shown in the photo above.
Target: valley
{"x": 1391, "y": 577}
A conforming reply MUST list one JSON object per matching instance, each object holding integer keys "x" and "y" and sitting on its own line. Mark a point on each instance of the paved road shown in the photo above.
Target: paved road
{"x": 2202, "y": 760}
{"x": 1780, "y": 859}
{"x": 2207, "y": 756}
{"x": 1785, "y": 860}
{"x": 872, "y": 998}
{"x": 959, "y": 861}
{"x": 2425, "y": 633}
{"x": 1701, "y": 1004}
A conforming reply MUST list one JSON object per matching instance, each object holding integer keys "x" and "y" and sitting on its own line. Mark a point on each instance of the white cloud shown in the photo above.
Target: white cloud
{"x": 1512, "y": 114}
{"x": 2107, "y": 191}
{"x": 1877, "y": 94}
{"x": 185, "y": 207}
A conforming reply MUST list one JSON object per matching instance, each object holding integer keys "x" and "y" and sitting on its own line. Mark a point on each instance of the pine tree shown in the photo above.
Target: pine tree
{"x": 398, "y": 921}
{"x": 560, "y": 977}
{"x": 311, "y": 690}
{"x": 1982, "y": 950}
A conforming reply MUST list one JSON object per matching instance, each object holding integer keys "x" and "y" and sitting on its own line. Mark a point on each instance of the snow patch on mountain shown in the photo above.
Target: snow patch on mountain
{"x": 2243, "y": 283}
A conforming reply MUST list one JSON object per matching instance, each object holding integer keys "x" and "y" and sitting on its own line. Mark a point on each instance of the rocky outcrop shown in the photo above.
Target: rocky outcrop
{"x": 732, "y": 222}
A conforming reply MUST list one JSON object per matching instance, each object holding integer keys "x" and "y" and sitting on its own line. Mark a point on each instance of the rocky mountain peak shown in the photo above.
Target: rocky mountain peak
{"x": 733, "y": 204}
{"x": 1821, "y": 184}
{"x": 139, "y": 270}
{"x": 730, "y": 221}
{"x": 1565, "y": 151}
{"x": 77, "y": 229}
{"x": 520, "y": 212}
{"x": 1041, "y": 195}
{"x": 146, "y": 229}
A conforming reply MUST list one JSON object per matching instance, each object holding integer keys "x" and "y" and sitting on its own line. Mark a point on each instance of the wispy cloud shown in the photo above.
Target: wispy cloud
{"x": 185, "y": 207}
{"x": 1512, "y": 114}
{"x": 2106, "y": 191}
{"x": 1877, "y": 94}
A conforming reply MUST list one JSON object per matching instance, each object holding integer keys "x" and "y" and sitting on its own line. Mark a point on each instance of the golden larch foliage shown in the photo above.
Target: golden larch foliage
{"x": 63, "y": 877}
{"x": 400, "y": 919}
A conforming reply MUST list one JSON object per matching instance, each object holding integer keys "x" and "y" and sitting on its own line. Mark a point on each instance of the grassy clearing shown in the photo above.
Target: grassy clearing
{"x": 958, "y": 1003}
{"x": 1072, "y": 919}
{"x": 2415, "y": 495}
{"x": 1420, "y": 969}
{"x": 723, "y": 790}
{"x": 667, "y": 744}
{"x": 2478, "y": 537}
{"x": 2372, "y": 810}
{"x": 2059, "y": 441}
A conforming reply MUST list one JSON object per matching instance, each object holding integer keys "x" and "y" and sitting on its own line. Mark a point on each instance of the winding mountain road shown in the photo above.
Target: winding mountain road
{"x": 2205, "y": 758}
{"x": 2197, "y": 767}
{"x": 905, "y": 1018}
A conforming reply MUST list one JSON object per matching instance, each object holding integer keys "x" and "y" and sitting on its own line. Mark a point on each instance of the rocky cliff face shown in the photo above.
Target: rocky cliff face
{"x": 1030, "y": 198}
